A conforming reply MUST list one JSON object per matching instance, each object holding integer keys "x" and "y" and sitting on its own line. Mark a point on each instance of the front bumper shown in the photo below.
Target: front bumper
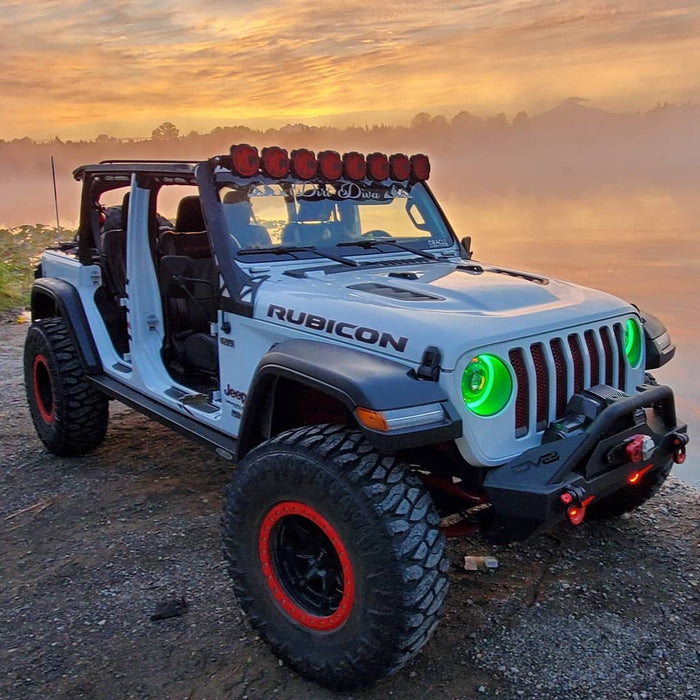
{"x": 557, "y": 479}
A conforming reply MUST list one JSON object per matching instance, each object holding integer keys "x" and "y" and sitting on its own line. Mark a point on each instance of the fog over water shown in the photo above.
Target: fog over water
{"x": 605, "y": 200}
{"x": 641, "y": 246}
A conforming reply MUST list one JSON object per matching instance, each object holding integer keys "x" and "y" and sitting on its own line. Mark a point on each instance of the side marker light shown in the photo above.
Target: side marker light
{"x": 374, "y": 420}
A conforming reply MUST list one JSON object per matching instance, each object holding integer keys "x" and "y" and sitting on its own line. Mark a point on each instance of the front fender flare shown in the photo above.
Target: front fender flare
{"x": 356, "y": 379}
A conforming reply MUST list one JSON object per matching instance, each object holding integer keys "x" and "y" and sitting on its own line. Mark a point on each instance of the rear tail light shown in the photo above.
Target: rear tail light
{"x": 275, "y": 161}
{"x": 378, "y": 166}
{"x": 354, "y": 165}
{"x": 304, "y": 164}
{"x": 245, "y": 160}
{"x": 399, "y": 166}
{"x": 330, "y": 165}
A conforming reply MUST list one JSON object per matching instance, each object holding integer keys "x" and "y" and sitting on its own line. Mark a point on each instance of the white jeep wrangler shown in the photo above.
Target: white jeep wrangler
{"x": 315, "y": 319}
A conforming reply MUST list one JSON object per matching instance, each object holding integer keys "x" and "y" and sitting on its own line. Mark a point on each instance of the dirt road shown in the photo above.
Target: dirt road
{"x": 88, "y": 547}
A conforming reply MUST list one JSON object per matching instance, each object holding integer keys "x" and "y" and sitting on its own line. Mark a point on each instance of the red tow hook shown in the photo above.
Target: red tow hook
{"x": 679, "y": 441}
{"x": 576, "y": 511}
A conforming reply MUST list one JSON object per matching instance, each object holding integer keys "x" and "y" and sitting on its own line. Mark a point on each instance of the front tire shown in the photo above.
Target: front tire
{"x": 335, "y": 555}
{"x": 70, "y": 416}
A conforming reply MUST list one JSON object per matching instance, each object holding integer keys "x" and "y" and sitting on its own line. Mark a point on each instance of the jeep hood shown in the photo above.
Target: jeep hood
{"x": 454, "y": 307}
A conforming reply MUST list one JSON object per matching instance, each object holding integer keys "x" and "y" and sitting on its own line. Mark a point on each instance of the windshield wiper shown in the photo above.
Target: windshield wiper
{"x": 283, "y": 249}
{"x": 374, "y": 242}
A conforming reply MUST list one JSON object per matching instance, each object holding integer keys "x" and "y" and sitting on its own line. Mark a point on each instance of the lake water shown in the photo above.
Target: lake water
{"x": 641, "y": 246}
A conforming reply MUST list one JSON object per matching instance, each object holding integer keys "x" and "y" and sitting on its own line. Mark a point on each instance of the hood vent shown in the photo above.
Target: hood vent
{"x": 397, "y": 293}
{"x": 522, "y": 275}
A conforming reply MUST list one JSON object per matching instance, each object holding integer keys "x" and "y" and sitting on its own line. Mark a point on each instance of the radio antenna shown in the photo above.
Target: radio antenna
{"x": 55, "y": 201}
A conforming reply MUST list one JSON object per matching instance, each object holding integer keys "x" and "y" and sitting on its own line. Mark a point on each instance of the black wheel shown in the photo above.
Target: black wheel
{"x": 335, "y": 555}
{"x": 70, "y": 416}
{"x": 629, "y": 497}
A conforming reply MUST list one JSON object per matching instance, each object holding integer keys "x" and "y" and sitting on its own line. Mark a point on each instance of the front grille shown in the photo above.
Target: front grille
{"x": 548, "y": 374}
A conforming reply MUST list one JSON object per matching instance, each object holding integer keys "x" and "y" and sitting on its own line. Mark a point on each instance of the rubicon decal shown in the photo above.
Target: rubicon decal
{"x": 343, "y": 329}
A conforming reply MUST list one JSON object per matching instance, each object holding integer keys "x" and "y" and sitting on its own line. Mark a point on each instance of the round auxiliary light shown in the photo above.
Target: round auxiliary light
{"x": 420, "y": 166}
{"x": 245, "y": 160}
{"x": 399, "y": 166}
{"x": 275, "y": 161}
{"x": 486, "y": 385}
{"x": 330, "y": 165}
{"x": 633, "y": 342}
{"x": 304, "y": 164}
{"x": 354, "y": 165}
{"x": 378, "y": 166}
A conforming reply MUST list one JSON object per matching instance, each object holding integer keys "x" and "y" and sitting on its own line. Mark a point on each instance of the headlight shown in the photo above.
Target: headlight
{"x": 486, "y": 385}
{"x": 633, "y": 342}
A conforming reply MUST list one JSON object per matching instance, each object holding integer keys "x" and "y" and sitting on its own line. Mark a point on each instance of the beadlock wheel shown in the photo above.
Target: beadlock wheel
{"x": 335, "y": 554}
{"x": 306, "y": 566}
{"x": 69, "y": 414}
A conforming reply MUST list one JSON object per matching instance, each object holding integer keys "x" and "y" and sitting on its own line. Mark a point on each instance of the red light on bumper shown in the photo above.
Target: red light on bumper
{"x": 576, "y": 514}
{"x": 636, "y": 477}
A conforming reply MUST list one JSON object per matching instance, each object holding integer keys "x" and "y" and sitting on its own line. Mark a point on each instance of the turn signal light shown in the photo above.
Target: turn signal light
{"x": 372, "y": 419}
{"x": 245, "y": 160}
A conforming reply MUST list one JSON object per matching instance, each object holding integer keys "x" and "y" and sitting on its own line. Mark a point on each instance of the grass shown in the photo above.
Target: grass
{"x": 20, "y": 249}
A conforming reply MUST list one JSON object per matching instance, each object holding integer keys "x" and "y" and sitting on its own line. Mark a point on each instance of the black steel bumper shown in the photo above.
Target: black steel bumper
{"x": 559, "y": 479}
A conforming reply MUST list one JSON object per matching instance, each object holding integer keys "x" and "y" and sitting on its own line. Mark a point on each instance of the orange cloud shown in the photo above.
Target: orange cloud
{"x": 79, "y": 67}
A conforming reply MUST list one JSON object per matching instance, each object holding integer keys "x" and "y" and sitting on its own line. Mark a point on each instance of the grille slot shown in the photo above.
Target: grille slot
{"x": 549, "y": 373}
{"x": 522, "y": 399}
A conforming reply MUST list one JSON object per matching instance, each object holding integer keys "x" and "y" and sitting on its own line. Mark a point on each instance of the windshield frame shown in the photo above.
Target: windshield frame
{"x": 439, "y": 240}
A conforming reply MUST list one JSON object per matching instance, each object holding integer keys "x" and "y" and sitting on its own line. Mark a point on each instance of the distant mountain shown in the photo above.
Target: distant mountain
{"x": 573, "y": 114}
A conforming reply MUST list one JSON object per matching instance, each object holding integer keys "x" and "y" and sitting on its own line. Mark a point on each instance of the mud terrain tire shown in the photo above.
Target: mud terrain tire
{"x": 335, "y": 555}
{"x": 69, "y": 414}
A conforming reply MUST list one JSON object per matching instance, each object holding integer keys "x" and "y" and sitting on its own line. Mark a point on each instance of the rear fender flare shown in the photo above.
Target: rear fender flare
{"x": 51, "y": 297}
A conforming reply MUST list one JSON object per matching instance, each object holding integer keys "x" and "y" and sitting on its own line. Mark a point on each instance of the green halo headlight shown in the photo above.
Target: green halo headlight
{"x": 486, "y": 385}
{"x": 633, "y": 342}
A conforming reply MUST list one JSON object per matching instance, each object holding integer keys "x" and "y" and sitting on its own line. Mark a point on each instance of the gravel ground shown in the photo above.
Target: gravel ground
{"x": 89, "y": 547}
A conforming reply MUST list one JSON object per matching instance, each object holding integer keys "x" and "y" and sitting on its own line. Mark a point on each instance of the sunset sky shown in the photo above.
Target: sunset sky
{"x": 78, "y": 68}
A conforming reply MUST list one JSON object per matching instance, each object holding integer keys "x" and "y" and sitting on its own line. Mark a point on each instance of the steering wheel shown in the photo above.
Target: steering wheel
{"x": 376, "y": 233}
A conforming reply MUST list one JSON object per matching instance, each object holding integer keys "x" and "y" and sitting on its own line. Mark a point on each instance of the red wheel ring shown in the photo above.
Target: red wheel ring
{"x": 315, "y": 622}
{"x": 43, "y": 389}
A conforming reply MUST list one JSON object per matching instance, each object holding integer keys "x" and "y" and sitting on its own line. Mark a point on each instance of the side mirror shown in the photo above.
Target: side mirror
{"x": 467, "y": 247}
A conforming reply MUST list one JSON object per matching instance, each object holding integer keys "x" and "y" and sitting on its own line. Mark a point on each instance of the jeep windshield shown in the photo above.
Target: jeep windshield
{"x": 341, "y": 218}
